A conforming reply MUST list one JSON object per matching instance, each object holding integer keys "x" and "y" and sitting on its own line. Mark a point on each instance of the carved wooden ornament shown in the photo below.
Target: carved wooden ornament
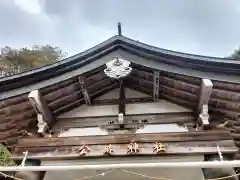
{"x": 108, "y": 150}
{"x": 83, "y": 150}
{"x": 133, "y": 148}
{"x": 159, "y": 148}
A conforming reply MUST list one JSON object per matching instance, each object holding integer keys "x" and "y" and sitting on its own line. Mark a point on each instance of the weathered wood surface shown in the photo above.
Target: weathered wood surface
{"x": 66, "y": 95}
{"x": 126, "y": 138}
{"x": 168, "y": 118}
{"x": 179, "y": 148}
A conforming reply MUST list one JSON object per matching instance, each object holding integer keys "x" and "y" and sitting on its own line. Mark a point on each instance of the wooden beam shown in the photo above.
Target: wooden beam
{"x": 145, "y": 148}
{"x": 168, "y": 118}
{"x": 43, "y": 112}
{"x": 84, "y": 90}
{"x": 123, "y": 138}
{"x": 156, "y": 85}
{"x": 127, "y": 101}
{"x": 202, "y": 108}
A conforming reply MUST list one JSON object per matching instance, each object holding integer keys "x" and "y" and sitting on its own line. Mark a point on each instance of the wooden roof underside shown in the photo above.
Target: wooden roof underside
{"x": 180, "y": 81}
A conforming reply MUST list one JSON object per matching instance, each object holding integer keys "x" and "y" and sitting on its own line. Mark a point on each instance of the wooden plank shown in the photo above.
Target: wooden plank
{"x": 168, "y": 118}
{"x": 126, "y": 138}
{"x": 179, "y": 148}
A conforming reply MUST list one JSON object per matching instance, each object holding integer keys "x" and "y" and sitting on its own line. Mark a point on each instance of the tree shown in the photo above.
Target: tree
{"x": 24, "y": 59}
{"x": 236, "y": 54}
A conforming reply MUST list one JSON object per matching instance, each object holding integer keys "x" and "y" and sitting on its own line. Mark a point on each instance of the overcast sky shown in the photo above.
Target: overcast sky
{"x": 207, "y": 27}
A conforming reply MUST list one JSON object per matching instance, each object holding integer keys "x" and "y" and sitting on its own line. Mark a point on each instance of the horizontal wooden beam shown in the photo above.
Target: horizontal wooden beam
{"x": 127, "y": 101}
{"x": 170, "y": 148}
{"x": 124, "y": 138}
{"x": 168, "y": 118}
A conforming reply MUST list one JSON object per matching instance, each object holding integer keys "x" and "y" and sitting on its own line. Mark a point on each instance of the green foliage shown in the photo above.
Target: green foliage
{"x": 4, "y": 157}
{"x": 25, "y": 59}
{"x": 236, "y": 54}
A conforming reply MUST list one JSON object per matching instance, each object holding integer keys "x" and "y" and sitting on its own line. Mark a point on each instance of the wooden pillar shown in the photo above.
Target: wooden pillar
{"x": 211, "y": 173}
{"x": 30, "y": 175}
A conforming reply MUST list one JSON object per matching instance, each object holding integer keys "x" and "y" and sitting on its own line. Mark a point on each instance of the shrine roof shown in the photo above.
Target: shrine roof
{"x": 198, "y": 66}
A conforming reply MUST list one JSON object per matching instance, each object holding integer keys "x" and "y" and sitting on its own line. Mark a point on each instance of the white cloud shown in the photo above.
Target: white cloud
{"x": 29, "y": 6}
{"x": 202, "y": 27}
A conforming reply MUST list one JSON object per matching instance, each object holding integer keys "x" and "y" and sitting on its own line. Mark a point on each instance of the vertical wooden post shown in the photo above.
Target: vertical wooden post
{"x": 202, "y": 108}
{"x": 44, "y": 115}
{"x": 156, "y": 77}
{"x": 84, "y": 90}
{"x": 121, "y": 105}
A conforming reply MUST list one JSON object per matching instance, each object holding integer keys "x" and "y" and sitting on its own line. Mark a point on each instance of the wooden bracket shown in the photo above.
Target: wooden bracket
{"x": 205, "y": 93}
{"x": 203, "y": 118}
{"x": 42, "y": 125}
{"x": 44, "y": 115}
{"x": 202, "y": 108}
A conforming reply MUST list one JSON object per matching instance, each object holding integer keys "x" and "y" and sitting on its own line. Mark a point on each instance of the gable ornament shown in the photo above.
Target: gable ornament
{"x": 118, "y": 68}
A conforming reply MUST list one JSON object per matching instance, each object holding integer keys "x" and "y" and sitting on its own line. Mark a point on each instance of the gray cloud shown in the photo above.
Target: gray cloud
{"x": 208, "y": 27}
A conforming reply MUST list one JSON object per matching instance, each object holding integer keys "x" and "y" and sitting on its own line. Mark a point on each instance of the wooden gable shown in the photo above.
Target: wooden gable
{"x": 166, "y": 87}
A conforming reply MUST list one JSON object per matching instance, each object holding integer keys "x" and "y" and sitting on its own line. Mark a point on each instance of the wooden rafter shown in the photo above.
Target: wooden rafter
{"x": 44, "y": 115}
{"x": 84, "y": 90}
{"x": 156, "y": 85}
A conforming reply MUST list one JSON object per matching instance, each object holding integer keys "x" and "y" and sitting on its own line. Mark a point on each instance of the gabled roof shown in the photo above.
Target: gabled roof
{"x": 229, "y": 69}
{"x": 179, "y": 82}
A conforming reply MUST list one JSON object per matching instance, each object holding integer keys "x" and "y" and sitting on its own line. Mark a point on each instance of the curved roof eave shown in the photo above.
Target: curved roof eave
{"x": 118, "y": 40}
